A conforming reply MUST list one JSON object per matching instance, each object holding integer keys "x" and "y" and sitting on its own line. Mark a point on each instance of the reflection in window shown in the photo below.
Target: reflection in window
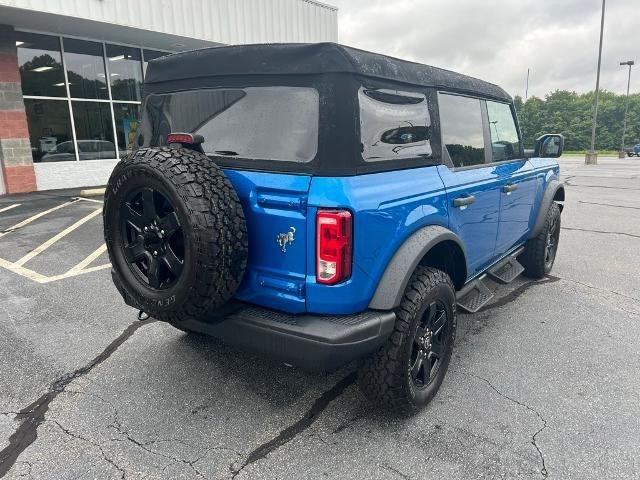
{"x": 94, "y": 130}
{"x": 125, "y": 72}
{"x": 393, "y": 125}
{"x": 85, "y": 69}
{"x": 152, "y": 55}
{"x": 462, "y": 133}
{"x": 40, "y": 65}
{"x": 126, "y": 116}
{"x": 505, "y": 144}
{"x": 263, "y": 123}
{"x": 49, "y": 130}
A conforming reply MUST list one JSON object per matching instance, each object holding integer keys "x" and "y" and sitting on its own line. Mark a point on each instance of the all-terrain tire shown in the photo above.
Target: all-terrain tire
{"x": 384, "y": 376}
{"x": 214, "y": 232}
{"x": 536, "y": 259}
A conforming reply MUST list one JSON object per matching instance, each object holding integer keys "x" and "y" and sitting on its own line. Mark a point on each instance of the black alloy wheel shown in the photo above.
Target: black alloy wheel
{"x": 551, "y": 245}
{"x": 154, "y": 245}
{"x": 429, "y": 345}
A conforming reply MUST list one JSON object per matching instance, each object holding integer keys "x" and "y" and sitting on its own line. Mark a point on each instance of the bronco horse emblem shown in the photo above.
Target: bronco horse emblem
{"x": 284, "y": 239}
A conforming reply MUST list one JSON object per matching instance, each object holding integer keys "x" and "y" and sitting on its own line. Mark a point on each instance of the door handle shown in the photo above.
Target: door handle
{"x": 463, "y": 202}
{"x": 510, "y": 187}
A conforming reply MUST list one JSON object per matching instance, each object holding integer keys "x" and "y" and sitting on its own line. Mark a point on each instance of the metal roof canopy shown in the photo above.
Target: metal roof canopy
{"x": 176, "y": 26}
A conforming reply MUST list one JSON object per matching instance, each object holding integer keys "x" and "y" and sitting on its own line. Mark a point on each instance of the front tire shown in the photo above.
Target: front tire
{"x": 540, "y": 252}
{"x": 406, "y": 372}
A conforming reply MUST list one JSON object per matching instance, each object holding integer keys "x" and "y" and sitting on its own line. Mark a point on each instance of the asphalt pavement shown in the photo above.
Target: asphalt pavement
{"x": 543, "y": 384}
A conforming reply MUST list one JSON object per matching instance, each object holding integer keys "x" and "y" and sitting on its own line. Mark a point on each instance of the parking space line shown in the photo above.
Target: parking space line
{"x": 37, "y": 216}
{"x": 38, "y": 250}
{"x": 72, "y": 273}
{"x": 90, "y": 200}
{"x": 5, "y": 209}
{"x": 90, "y": 258}
{"x": 25, "y": 272}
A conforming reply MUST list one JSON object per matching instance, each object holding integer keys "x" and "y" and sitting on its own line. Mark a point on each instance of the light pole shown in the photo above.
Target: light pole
{"x": 592, "y": 157}
{"x": 623, "y": 154}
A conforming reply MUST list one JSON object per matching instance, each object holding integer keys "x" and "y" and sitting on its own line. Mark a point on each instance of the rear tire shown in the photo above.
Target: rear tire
{"x": 540, "y": 252}
{"x": 424, "y": 332}
{"x": 175, "y": 233}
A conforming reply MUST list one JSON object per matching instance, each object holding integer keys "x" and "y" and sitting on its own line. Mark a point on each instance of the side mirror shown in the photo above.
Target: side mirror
{"x": 549, "y": 146}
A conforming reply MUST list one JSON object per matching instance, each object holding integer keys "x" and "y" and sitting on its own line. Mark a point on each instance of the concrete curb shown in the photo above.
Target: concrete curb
{"x": 92, "y": 192}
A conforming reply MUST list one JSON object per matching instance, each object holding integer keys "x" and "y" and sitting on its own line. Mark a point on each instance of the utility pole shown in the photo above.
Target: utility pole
{"x": 592, "y": 157}
{"x": 623, "y": 153}
{"x": 526, "y": 90}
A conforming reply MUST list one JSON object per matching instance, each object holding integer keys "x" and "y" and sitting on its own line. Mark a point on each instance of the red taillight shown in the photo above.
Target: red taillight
{"x": 180, "y": 138}
{"x": 333, "y": 246}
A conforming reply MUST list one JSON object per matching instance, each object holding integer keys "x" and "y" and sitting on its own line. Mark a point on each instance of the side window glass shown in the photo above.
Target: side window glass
{"x": 462, "y": 133}
{"x": 505, "y": 144}
{"x": 393, "y": 125}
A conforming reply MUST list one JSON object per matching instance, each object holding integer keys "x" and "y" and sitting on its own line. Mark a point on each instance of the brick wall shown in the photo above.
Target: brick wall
{"x": 16, "y": 161}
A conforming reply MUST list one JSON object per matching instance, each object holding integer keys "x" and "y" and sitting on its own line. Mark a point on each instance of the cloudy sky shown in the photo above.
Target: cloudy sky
{"x": 497, "y": 40}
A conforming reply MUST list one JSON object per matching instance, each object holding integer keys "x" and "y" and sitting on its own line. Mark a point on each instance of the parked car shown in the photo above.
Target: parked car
{"x": 321, "y": 204}
{"x": 633, "y": 151}
{"x": 88, "y": 150}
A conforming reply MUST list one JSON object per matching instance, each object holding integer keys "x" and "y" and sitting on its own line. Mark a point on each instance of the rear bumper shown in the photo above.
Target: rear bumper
{"x": 309, "y": 342}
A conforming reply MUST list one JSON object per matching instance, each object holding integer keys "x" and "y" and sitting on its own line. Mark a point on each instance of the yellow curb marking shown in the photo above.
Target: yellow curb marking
{"x": 5, "y": 209}
{"x": 38, "y": 250}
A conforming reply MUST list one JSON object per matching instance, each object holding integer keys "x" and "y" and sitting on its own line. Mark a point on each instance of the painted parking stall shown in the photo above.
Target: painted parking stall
{"x": 34, "y": 245}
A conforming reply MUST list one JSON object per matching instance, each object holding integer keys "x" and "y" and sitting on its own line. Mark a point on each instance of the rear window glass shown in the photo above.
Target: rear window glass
{"x": 393, "y": 125}
{"x": 264, "y": 123}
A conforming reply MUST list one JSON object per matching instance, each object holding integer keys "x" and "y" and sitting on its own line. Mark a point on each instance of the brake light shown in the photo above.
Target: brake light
{"x": 334, "y": 246}
{"x": 179, "y": 138}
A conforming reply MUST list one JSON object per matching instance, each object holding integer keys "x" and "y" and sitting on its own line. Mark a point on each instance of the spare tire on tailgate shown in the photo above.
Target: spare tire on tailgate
{"x": 175, "y": 233}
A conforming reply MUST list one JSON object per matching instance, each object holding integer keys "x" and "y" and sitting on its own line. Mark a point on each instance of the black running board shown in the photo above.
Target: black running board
{"x": 474, "y": 296}
{"x": 507, "y": 270}
{"x": 477, "y": 293}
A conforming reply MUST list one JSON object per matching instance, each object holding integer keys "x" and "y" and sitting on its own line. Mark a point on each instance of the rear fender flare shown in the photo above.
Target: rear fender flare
{"x": 553, "y": 192}
{"x": 396, "y": 276}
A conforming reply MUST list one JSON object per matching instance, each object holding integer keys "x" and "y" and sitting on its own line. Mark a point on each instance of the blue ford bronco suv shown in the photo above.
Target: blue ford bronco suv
{"x": 321, "y": 204}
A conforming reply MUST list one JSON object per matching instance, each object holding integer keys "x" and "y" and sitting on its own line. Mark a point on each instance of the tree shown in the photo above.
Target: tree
{"x": 571, "y": 114}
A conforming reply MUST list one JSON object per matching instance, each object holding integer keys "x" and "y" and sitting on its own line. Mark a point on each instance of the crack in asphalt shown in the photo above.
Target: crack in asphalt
{"x": 395, "y": 471}
{"x": 600, "y": 231}
{"x": 109, "y": 460}
{"x": 292, "y": 431}
{"x": 567, "y": 182}
{"x": 543, "y": 469}
{"x": 629, "y": 297}
{"x": 32, "y": 416}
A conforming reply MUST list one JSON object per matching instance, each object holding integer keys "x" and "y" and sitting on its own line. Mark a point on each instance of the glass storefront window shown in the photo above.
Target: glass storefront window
{"x": 40, "y": 65}
{"x": 94, "y": 130}
{"x": 126, "y": 116}
{"x": 49, "y": 130}
{"x": 125, "y": 72}
{"x": 85, "y": 69}
{"x": 152, "y": 55}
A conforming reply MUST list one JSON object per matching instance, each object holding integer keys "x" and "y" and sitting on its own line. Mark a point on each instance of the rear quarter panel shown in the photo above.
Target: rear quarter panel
{"x": 387, "y": 208}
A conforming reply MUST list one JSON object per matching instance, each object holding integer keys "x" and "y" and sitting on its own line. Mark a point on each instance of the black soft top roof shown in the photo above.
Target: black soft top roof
{"x": 309, "y": 59}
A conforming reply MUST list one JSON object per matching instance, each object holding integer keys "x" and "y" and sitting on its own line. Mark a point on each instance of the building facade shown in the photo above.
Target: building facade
{"x": 71, "y": 73}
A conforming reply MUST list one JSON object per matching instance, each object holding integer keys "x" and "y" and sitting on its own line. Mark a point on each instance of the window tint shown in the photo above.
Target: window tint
{"x": 125, "y": 72}
{"x": 126, "y": 117}
{"x": 85, "y": 69}
{"x": 505, "y": 144}
{"x": 49, "y": 130}
{"x": 393, "y": 125}
{"x": 265, "y": 123}
{"x": 92, "y": 121}
{"x": 40, "y": 64}
{"x": 462, "y": 133}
